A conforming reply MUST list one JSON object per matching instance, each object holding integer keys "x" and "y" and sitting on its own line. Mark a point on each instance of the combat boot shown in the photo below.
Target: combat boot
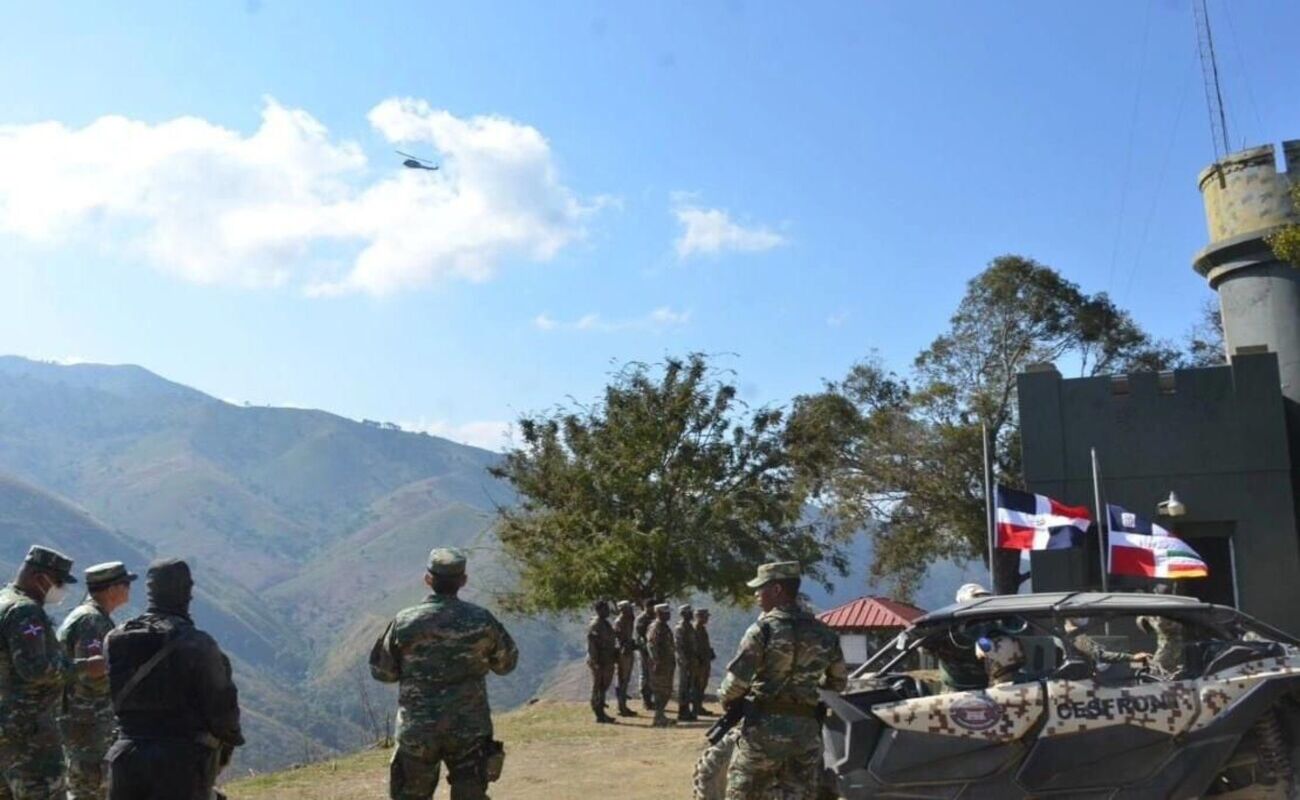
{"x": 684, "y": 714}
{"x": 624, "y": 711}
{"x": 662, "y": 720}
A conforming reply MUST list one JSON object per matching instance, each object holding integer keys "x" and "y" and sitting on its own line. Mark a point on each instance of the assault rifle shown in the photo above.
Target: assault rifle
{"x": 731, "y": 717}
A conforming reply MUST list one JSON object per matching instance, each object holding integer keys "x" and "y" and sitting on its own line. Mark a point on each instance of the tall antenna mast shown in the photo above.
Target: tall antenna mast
{"x": 1210, "y": 75}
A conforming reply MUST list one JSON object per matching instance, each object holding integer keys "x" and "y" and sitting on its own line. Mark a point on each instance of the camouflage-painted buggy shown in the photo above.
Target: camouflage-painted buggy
{"x": 1099, "y": 721}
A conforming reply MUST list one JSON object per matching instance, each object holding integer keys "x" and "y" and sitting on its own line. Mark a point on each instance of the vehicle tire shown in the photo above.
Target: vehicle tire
{"x": 710, "y": 779}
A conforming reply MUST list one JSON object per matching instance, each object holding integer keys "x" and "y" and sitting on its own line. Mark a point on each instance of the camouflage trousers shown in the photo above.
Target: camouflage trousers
{"x": 624, "y": 674}
{"x": 661, "y": 689}
{"x": 602, "y": 675}
{"x": 413, "y": 771}
{"x": 31, "y": 767}
{"x": 647, "y": 690}
{"x": 701, "y": 680}
{"x": 87, "y": 735}
{"x": 779, "y": 761}
{"x": 685, "y": 686}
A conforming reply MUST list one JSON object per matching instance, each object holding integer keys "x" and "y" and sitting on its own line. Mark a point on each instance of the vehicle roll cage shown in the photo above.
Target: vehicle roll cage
{"x": 1045, "y": 614}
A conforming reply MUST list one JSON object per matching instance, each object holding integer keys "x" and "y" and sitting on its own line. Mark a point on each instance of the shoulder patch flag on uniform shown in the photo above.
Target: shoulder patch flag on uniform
{"x": 1037, "y": 522}
{"x": 1140, "y": 547}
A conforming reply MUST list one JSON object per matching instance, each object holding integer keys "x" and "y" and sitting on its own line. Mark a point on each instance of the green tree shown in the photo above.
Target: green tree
{"x": 1205, "y": 346}
{"x": 665, "y": 487}
{"x": 905, "y": 458}
{"x": 1286, "y": 242}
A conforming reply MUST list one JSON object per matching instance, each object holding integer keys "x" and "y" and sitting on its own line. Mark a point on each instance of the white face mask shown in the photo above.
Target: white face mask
{"x": 55, "y": 595}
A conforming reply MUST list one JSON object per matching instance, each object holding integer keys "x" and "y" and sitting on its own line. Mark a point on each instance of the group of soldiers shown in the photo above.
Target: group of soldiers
{"x": 90, "y": 709}
{"x": 683, "y": 652}
{"x": 440, "y": 652}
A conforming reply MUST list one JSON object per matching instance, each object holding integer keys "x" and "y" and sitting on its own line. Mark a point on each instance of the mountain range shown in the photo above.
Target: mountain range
{"x": 307, "y": 531}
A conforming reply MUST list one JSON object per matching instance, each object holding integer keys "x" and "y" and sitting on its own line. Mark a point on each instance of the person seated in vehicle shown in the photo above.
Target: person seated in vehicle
{"x": 1090, "y": 649}
{"x": 960, "y": 670}
{"x": 1003, "y": 659}
{"x": 1170, "y": 657}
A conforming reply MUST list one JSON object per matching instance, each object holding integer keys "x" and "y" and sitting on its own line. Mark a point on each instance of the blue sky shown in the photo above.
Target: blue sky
{"x": 209, "y": 190}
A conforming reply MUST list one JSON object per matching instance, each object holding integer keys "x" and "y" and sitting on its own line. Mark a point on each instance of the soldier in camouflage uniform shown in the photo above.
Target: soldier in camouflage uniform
{"x": 783, "y": 660}
{"x": 440, "y": 652}
{"x": 87, "y": 722}
{"x": 625, "y": 633}
{"x": 642, "y": 628}
{"x": 684, "y": 642}
{"x": 663, "y": 661}
{"x": 1171, "y": 645}
{"x": 602, "y": 659}
{"x": 33, "y": 670}
{"x": 704, "y": 656}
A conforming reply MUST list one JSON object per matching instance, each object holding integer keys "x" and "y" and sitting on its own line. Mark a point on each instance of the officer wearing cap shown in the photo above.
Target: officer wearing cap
{"x": 33, "y": 670}
{"x": 704, "y": 656}
{"x": 625, "y": 634}
{"x": 642, "y": 628}
{"x": 684, "y": 641}
{"x": 783, "y": 660}
{"x": 602, "y": 659}
{"x": 176, "y": 704}
{"x": 662, "y": 655}
{"x": 440, "y": 652}
{"x": 86, "y": 721}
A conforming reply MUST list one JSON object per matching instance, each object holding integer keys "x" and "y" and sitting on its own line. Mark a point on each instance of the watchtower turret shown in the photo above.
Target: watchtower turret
{"x": 1246, "y": 199}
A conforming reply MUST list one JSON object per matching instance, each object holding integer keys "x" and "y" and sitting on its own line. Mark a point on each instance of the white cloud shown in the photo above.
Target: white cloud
{"x": 491, "y": 435}
{"x": 660, "y": 319}
{"x": 709, "y": 231}
{"x": 837, "y": 319}
{"x": 289, "y": 203}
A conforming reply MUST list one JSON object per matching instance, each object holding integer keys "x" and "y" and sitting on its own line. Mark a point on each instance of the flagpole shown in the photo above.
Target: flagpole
{"x": 1101, "y": 529}
{"x": 988, "y": 503}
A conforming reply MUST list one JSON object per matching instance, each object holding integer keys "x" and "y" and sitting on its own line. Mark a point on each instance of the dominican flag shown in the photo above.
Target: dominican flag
{"x": 1037, "y": 522}
{"x": 1140, "y": 547}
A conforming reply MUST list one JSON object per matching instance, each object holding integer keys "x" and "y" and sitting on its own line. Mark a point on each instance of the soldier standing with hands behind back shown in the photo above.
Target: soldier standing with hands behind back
{"x": 440, "y": 652}
{"x": 87, "y": 722}
{"x": 625, "y": 633}
{"x": 684, "y": 640}
{"x": 704, "y": 656}
{"x": 663, "y": 661}
{"x": 642, "y": 628}
{"x": 602, "y": 659}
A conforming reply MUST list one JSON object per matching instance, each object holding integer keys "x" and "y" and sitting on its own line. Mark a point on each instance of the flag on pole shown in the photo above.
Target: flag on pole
{"x": 1036, "y": 522}
{"x": 1140, "y": 547}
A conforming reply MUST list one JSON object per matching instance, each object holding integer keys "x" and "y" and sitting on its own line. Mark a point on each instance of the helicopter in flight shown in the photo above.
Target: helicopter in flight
{"x": 415, "y": 162}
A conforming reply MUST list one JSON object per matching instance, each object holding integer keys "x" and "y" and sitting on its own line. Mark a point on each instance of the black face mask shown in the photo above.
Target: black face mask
{"x": 170, "y": 587}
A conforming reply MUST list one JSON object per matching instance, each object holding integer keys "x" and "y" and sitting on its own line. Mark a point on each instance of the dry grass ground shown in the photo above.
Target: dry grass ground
{"x": 554, "y": 751}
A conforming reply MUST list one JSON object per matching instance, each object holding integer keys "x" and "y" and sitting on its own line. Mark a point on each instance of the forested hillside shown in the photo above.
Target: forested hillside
{"x": 307, "y": 531}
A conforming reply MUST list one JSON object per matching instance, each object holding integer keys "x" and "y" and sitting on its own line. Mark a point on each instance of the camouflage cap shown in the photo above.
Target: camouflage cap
{"x": 701, "y": 612}
{"x": 624, "y": 605}
{"x": 776, "y": 571}
{"x": 663, "y": 608}
{"x": 685, "y": 608}
{"x": 102, "y": 576}
{"x": 446, "y": 561}
{"x": 51, "y": 561}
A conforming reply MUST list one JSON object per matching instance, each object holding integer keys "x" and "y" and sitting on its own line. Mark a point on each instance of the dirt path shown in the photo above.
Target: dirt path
{"x": 554, "y": 752}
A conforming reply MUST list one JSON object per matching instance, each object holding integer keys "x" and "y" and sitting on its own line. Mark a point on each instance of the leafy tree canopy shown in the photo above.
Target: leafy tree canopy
{"x": 1286, "y": 242}
{"x": 667, "y": 486}
{"x": 904, "y": 457}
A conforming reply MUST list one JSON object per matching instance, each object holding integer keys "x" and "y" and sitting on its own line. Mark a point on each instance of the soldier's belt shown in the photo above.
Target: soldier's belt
{"x": 786, "y": 707}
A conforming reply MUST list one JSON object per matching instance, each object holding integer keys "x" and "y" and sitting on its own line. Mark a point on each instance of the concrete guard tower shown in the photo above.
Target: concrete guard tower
{"x": 1246, "y": 199}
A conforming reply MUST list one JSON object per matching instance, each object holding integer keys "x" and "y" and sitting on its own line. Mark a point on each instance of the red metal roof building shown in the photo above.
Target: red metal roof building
{"x": 866, "y": 623}
{"x": 870, "y": 614}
